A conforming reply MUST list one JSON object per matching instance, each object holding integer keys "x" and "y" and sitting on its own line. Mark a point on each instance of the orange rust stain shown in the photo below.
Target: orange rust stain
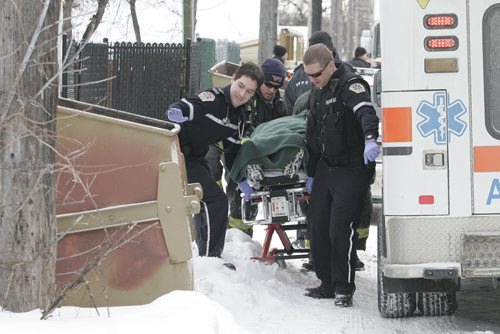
{"x": 486, "y": 159}
{"x": 125, "y": 268}
{"x": 396, "y": 124}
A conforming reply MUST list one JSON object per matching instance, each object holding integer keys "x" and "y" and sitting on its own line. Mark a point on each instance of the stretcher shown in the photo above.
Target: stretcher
{"x": 282, "y": 200}
{"x": 272, "y": 162}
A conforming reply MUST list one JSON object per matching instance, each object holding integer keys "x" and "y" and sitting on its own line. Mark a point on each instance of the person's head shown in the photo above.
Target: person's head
{"x": 319, "y": 64}
{"x": 280, "y": 52}
{"x": 274, "y": 77}
{"x": 247, "y": 78}
{"x": 322, "y": 37}
{"x": 361, "y": 52}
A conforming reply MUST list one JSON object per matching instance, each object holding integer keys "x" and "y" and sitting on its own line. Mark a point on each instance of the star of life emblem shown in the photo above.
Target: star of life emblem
{"x": 441, "y": 118}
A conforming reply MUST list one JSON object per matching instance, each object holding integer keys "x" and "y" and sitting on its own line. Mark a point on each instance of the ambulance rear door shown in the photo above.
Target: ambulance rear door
{"x": 484, "y": 30}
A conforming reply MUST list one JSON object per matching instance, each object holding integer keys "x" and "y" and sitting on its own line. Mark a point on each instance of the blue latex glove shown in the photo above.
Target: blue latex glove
{"x": 246, "y": 190}
{"x": 175, "y": 115}
{"x": 371, "y": 150}
{"x": 309, "y": 183}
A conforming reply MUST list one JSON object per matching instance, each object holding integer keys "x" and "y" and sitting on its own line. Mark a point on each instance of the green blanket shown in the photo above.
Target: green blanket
{"x": 272, "y": 145}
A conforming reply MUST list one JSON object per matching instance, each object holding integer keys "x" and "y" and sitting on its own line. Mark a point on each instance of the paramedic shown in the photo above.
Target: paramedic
{"x": 342, "y": 129}
{"x": 265, "y": 106}
{"x": 211, "y": 116}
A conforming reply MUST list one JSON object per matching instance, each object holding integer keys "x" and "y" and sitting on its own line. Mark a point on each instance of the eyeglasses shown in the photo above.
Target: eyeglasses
{"x": 271, "y": 85}
{"x": 317, "y": 74}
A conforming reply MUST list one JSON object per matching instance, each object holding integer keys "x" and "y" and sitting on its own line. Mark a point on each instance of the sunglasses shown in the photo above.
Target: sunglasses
{"x": 271, "y": 85}
{"x": 317, "y": 74}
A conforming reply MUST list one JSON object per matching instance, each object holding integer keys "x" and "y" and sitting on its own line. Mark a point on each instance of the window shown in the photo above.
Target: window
{"x": 491, "y": 51}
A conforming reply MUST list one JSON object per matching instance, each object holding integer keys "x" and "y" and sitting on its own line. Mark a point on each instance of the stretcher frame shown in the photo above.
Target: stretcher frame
{"x": 281, "y": 197}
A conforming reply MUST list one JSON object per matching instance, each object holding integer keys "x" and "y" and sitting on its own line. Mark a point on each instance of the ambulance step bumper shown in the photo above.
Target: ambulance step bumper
{"x": 423, "y": 270}
{"x": 481, "y": 254}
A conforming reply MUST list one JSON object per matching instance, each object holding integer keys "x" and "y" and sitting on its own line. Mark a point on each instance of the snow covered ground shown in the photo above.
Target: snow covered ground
{"x": 259, "y": 298}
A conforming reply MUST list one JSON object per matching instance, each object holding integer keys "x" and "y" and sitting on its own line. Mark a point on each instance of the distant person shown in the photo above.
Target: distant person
{"x": 360, "y": 58}
{"x": 217, "y": 114}
{"x": 280, "y": 53}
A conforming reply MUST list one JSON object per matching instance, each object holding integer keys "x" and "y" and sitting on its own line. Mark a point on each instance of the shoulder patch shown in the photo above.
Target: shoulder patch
{"x": 206, "y": 96}
{"x": 357, "y": 88}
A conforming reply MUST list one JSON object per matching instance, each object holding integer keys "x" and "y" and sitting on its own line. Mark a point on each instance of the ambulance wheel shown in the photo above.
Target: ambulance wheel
{"x": 391, "y": 305}
{"x": 396, "y": 305}
{"x": 437, "y": 303}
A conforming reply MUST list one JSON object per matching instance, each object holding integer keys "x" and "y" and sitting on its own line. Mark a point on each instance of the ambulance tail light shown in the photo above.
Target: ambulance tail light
{"x": 440, "y": 21}
{"x": 441, "y": 43}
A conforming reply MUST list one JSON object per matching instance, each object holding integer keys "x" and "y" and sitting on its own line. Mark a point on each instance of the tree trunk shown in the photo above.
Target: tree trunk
{"x": 95, "y": 20}
{"x": 337, "y": 25}
{"x": 135, "y": 21}
{"x": 268, "y": 28}
{"x": 315, "y": 17}
{"x": 28, "y": 99}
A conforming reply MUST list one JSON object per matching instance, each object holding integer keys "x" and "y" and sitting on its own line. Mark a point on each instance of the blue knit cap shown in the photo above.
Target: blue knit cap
{"x": 274, "y": 71}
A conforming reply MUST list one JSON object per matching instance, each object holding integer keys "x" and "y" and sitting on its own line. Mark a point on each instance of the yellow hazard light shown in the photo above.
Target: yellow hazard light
{"x": 443, "y": 43}
{"x": 441, "y": 21}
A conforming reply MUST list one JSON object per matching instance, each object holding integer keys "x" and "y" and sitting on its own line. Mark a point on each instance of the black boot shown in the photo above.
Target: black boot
{"x": 307, "y": 266}
{"x": 320, "y": 292}
{"x": 359, "y": 266}
{"x": 343, "y": 300}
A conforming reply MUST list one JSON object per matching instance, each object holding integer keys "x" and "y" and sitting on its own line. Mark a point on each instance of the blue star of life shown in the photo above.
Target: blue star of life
{"x": 436, "y": 116}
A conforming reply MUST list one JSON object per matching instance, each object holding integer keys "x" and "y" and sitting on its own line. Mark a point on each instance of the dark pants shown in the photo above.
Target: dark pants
{"x": 211, "y": 222}
{"x": 336, "y": 200}
{"x": 215, "y": 162}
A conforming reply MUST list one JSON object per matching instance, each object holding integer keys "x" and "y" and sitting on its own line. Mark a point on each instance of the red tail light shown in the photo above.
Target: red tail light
{"x": 441, "y": 43}
{"x": 440, "y": 21}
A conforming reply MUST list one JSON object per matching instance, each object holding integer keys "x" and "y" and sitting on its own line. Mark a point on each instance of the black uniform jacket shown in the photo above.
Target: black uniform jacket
{"x": 211, "y": 118}
{"x": 264, "y": 111}
{"x": 341, "y": 118}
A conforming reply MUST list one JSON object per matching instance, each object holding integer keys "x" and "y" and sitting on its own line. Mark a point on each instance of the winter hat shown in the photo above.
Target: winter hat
{"x": 323, "y": 37}
{"x": 359, "y": 51}
{"x": 279, "y": 50}
{"x": 273, "y": 70}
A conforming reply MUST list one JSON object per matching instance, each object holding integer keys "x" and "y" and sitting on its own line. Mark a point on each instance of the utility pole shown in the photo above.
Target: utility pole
{"x": 188, "y": 14}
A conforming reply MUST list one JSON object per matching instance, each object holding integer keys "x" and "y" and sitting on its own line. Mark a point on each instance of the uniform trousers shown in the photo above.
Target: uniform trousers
{"x": 211, "y": 222}
{"x": 334, "y": 212}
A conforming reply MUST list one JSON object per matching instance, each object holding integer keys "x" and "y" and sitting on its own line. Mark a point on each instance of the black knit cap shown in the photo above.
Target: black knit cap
{"x": 279, "y": 50}
{"x": 360, "y": 51}
{"x": 323, "y": 37}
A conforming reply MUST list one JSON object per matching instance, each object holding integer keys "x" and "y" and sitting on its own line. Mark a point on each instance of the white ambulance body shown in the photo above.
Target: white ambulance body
{"x": 441, "y": 151}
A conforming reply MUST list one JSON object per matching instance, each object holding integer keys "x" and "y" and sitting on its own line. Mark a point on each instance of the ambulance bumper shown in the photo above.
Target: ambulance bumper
{"x": 423, "y": 270}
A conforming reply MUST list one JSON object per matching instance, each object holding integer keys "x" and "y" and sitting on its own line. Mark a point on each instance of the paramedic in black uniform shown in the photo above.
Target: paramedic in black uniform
{"x": 342, "y": 129}
{"x": 214, "y": 115}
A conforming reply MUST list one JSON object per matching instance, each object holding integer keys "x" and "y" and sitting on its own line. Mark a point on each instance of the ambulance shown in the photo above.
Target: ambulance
{"x": 440, "y": 99}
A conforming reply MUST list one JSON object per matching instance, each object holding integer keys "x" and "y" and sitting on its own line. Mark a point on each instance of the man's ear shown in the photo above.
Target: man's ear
{"x": 233, "y": 78}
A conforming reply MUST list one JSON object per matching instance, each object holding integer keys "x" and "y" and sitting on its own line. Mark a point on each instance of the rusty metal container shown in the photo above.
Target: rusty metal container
{"x": 124, "y": 207}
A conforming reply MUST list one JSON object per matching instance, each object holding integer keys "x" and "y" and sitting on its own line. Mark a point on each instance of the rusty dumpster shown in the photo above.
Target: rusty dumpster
{"x": 123, "y": 208}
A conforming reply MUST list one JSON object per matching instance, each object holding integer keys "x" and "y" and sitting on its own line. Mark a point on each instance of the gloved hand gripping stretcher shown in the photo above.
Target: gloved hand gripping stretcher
{"x": 269, "y": 170}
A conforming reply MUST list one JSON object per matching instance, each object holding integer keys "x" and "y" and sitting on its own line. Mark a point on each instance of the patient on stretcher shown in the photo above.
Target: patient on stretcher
{"x": 275, "y": 148}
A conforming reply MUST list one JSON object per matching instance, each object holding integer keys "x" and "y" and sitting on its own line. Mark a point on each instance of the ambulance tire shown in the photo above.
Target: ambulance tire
{"x": 395, "y": 305}
{"x": 437, "y": 303}
{"x": 392, "y": 305}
